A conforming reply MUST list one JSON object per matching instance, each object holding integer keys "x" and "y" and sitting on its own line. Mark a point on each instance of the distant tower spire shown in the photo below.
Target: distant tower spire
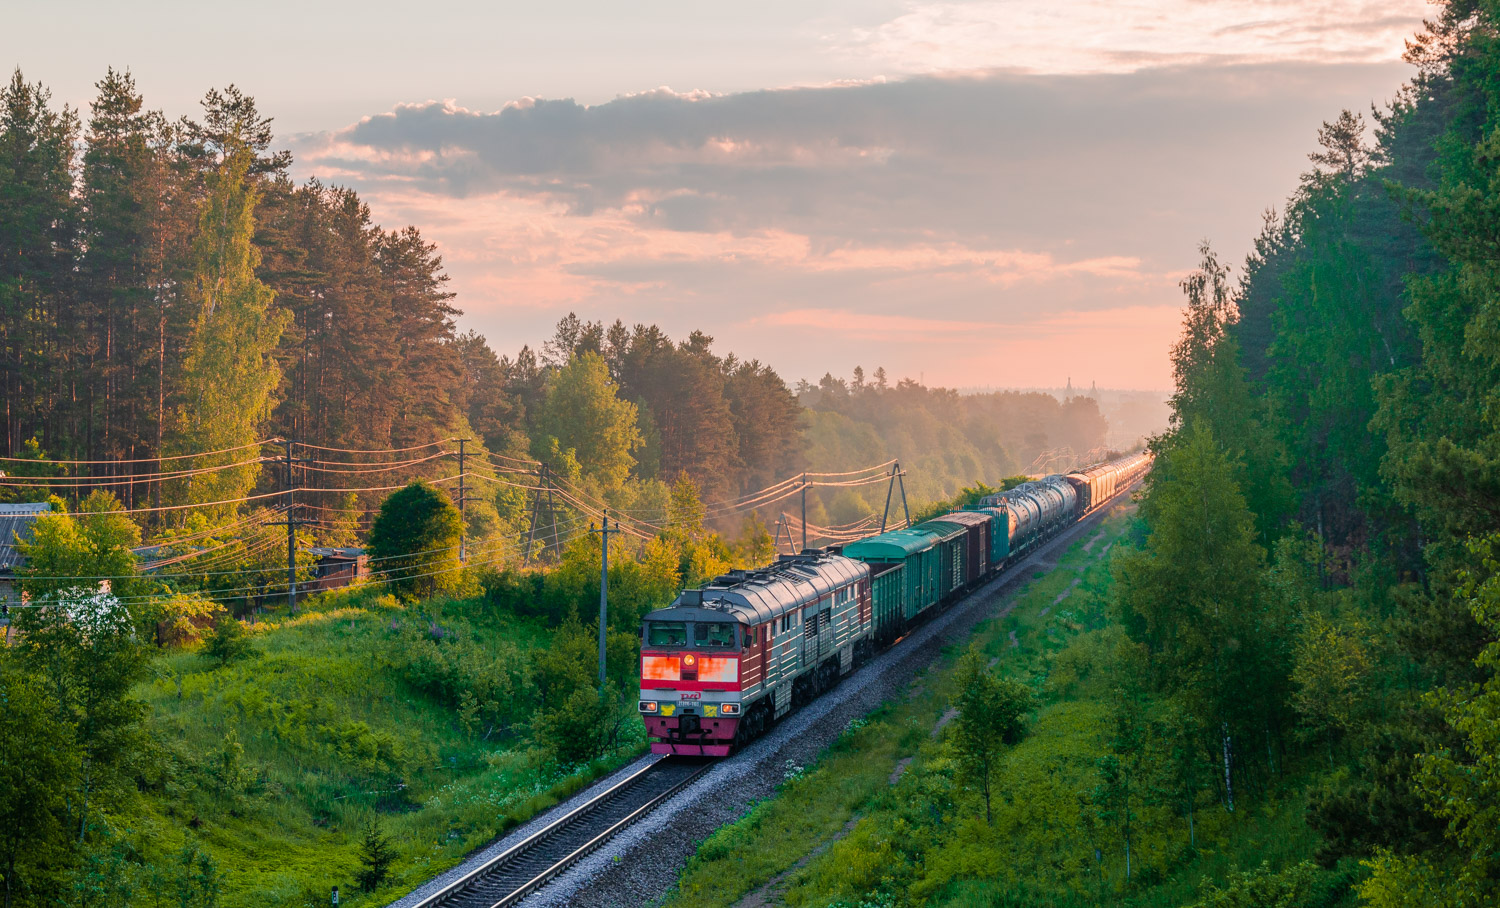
{"x": 1093, "y": 389}
{"x": 1069, "y": 391}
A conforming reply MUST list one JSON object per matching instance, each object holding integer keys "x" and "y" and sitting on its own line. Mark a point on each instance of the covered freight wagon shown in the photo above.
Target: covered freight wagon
{"x": 1000, "y": 532}
{"x": 916, "y": 553}
{"x": 976, "y": 530}
{"x": 949, "y": 541}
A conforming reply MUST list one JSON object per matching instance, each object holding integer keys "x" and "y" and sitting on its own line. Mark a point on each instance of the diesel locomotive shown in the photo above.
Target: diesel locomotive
{"x": 722, "y": 663}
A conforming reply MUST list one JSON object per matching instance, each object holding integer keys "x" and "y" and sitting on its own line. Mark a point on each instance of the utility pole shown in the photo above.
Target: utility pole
{"x": 556, "y": 544}
{"x": 804, "y": 511}
{"x": 897, "y": 475}
{"x": 463, "y": 500}
{"x": 888, "y": 492}
{"x": 603, "y": 591}
{"x": 291, "y": 523}
{"x": 291, "y": 532}
{"x": 536, "y": 513}
{"x": 901, "y": 478}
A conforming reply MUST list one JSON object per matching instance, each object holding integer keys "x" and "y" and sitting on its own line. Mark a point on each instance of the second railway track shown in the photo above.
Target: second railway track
{"x": 524, "y": 867}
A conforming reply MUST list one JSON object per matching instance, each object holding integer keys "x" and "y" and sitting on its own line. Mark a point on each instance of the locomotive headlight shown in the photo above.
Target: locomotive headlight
{"x": 648, "y": 706}
{"x": 730, "y": 709}
{"x": 689, "y": 661}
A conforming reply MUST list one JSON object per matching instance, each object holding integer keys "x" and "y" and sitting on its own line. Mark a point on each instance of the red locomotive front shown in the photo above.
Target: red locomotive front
{"x": 690, "y": 681}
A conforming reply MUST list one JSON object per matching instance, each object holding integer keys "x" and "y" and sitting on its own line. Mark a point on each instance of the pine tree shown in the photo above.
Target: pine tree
{"x": 376, "y": 855}
{"x": 38, "y": 241}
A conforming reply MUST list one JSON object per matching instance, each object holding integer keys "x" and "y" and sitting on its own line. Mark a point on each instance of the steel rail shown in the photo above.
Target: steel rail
{"x": 497, "y": 864}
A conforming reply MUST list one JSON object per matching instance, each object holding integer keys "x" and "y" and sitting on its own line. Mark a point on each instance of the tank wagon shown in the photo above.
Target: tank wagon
{"x": 1039, "y": 509}
{"x": 723, "y": 662}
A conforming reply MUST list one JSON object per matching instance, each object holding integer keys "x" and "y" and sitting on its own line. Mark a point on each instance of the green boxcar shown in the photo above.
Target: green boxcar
{"x": 888, "y": 600}
{"x": 917, "y": 552}
{"x": 948, "y": 540}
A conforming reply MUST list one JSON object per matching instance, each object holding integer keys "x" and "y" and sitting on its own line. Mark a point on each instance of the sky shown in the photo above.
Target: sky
{"x": 973, "y": 193}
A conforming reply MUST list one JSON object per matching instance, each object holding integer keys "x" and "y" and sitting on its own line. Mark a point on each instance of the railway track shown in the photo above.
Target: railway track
{"x": 521, "y": 869}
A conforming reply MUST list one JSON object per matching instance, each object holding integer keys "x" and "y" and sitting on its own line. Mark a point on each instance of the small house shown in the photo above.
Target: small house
{"x": 335, "y": 567}
{"x": 16, "y": 523}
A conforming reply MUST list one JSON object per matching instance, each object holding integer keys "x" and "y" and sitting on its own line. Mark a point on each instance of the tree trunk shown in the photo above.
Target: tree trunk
{"x": 1228, "y": 777}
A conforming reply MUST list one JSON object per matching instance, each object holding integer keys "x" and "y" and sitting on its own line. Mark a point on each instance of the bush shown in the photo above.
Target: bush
{"x": 227, "y": 642}
{"x": 584, "y": 726}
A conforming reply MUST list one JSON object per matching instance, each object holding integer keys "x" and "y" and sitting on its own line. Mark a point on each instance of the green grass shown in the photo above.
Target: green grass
{"x": 841, "y": 834}
{"x": 277, "y": 764}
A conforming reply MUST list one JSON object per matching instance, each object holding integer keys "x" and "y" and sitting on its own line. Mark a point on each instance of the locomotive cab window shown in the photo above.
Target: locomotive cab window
{"x": 666, "y": 633}
{"x": 713, "y": 635}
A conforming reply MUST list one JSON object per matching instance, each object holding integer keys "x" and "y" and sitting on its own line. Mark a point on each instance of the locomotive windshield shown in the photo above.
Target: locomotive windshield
{"x": 666, "y": 633}
{"x": 719, "y": 635}
{"x": 702, "y": 634}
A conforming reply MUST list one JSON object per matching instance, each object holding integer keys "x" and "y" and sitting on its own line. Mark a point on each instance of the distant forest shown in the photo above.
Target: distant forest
{"x": 167, "y": 290}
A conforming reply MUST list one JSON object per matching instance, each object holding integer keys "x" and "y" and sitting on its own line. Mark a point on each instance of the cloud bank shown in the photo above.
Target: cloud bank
{"x": 1082, "y": 36}
{"x": 998, "y": 201}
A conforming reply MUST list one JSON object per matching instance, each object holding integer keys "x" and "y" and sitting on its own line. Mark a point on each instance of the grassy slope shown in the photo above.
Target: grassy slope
{"x": 277, "y": 764}
{"x": 924, "y": 839}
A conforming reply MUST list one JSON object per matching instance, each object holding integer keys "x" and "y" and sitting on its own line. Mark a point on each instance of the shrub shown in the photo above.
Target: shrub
{"x": 227, "y": 642}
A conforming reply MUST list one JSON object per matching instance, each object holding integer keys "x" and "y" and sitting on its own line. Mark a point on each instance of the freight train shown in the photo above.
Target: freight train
{"x": 724, "y": 662}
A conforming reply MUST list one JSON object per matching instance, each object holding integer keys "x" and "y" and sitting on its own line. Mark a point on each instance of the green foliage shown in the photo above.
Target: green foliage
{"x": 585, "y": 724}
{"x": 1212, "y": 391}
{"x": 415, "y": 539}
{"x": 29, "y": 462}
{"x": 228, "y": 641}
{"x": 95, "y": 542}
{"x": 229, "y": 374}
{"x": 1332, "y": 672}
{"x": 577, "y": 722}
{"x": 38, "y": 771}
{"x": 195, "y": 878}
{"x": 583, "y": 414}
{"x": 1196, "y": 597}
{"x": 1458, "y": 785}
{"x": 1264, "y": 888}
{"x": 81, "y": 646}
{"x": 945, "y": 441}
{"x": 991, "y": 712}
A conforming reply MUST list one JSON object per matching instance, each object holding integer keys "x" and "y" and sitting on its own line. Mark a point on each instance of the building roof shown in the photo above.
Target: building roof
{"x": 17, "y": 520}
{"x": 327, "y": 551}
